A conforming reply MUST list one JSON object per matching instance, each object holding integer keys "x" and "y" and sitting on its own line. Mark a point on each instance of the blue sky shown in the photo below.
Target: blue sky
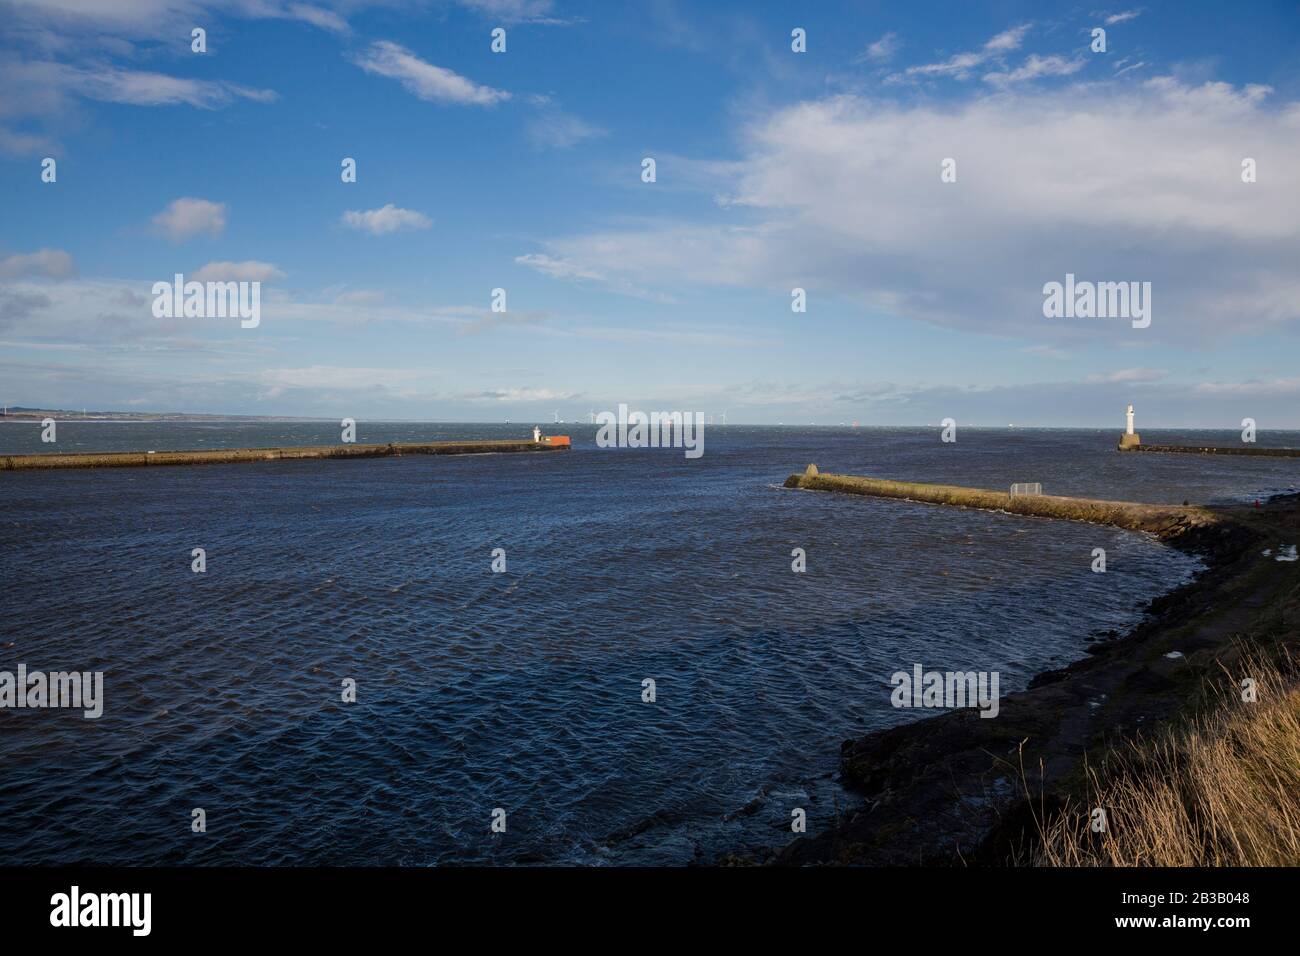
{"x": 775, "y": 170}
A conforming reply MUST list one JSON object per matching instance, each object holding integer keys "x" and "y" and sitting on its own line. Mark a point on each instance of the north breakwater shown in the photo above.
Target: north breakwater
{"x": 1214, "y": 450}
{"x": 142, "y": 459}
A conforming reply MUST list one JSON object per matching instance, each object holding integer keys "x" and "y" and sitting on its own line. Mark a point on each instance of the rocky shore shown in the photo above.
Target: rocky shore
{"x": 952, "y": 789}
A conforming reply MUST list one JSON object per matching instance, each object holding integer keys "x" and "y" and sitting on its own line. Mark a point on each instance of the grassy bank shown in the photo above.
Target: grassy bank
{"x": 1218, "y": 788}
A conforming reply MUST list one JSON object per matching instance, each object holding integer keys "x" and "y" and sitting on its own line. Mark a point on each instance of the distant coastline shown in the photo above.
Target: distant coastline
{"x": 25, "y": 414}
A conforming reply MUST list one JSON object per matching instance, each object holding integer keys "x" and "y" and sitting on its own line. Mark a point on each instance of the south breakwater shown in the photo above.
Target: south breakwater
{"x": 142, "y": 459}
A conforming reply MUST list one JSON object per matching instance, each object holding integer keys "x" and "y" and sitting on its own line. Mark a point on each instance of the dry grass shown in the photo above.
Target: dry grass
{"x": 1222, "y": 789}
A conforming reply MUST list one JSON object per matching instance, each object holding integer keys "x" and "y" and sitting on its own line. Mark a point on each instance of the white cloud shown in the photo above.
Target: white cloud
{"x": 316, "y": 16}
{"x": 1115, "y": 18}
{"x": 340, "y": 377}
{"x": 18, "y": 307}
{"x": 249, "y": 270}
{"x": 570, "y": 270}
{"x": 522, "y": 395}
{"x": 513, "y": 11}
{"x": 1111, "y": 182}
{"x": 158, "y": 89}
{"x": 156, "y": 19}
{"x": 1034, "y": 67}
{"x": 962, "y": 65}
{"x": 1276, "y": 386}
{"x": 54, "y": 263}
{"x": 554, "y": 129}
{"x": 1128, "y": 375}
{"x": 48, "y": 83}
{"x": 49, "y": 92}
{"x": 1007, "y": 40}
{"x": 425, "y": 80}
{"x": 95, "y": 314}
{"x": 558, "y": 268}
{"x": 883, "y": 49}
{"x": 1045, "y": 351}
{"x": 136, "y": 17}
{"x": 188, "y": 217}
{"x": 386, "y": 219}
{"x": 18, "y": 144}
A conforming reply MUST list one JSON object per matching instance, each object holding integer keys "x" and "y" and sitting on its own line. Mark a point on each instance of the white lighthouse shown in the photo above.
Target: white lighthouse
{"x": 1130, "y": 438}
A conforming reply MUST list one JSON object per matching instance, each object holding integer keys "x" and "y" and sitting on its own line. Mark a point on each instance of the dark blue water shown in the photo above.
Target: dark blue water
{"x": 522, "y": 690}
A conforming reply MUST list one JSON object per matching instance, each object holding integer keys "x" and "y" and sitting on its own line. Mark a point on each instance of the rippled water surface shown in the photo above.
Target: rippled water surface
{"x": 523, "y": 690}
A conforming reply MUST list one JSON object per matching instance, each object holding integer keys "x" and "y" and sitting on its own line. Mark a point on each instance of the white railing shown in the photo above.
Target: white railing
{"x": 1026, "y": 488}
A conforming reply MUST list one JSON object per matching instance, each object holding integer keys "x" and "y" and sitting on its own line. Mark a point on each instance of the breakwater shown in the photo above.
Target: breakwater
{"x": 1165, "y": 521}
{"x": 1216, "y": 450}
{"x": 141, "y": 459}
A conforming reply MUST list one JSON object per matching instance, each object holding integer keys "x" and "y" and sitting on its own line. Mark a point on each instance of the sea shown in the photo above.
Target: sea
{"x": 648, "y": 681}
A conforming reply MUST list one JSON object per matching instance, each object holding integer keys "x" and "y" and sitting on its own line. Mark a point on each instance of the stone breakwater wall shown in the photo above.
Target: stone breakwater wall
{"x": 1216, "y": 450}
{"x": 1163, "y": 520}
{"x": 142, "y": 459}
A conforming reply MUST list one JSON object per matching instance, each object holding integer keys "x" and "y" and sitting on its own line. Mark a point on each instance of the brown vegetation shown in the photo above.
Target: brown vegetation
{"x": 1219, "y": 789}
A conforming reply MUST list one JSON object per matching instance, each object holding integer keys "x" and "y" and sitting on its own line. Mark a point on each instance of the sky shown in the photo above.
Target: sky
{"x": 775, "y": 170}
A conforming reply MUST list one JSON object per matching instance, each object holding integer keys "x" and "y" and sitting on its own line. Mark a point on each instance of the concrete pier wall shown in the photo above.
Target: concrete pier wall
{"x": 1162, "y": 520}
{"x": 137, "y": 459}
{"x": 1219, "y": 450}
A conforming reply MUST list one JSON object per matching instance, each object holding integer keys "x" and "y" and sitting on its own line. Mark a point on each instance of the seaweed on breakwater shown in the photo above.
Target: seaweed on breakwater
{"x": 142, "y": 459}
